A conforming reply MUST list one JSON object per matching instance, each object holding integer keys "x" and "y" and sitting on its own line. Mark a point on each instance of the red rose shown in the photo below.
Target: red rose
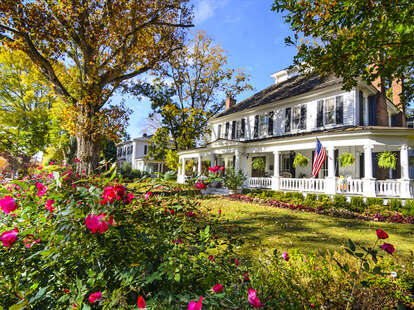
{"x": 381, "y": 234}
{"x": 387, "y": 247}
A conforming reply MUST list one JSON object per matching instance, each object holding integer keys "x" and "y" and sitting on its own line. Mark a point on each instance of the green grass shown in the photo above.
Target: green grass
{"x": 266, "y": 228}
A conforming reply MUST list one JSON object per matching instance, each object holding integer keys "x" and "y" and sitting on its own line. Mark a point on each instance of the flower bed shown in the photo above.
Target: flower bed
{"x": 324, "y": 208}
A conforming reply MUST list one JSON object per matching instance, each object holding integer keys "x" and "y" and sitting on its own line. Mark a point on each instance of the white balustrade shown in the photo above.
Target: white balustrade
{"x": 306, "y": 185}
{"x": 349, "y": 186}
{"x": 388, "y": 188}
{"x": 259, "y": 182}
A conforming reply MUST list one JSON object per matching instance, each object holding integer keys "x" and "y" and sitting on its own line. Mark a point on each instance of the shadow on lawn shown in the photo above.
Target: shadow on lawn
{"x": 270, "y": 230}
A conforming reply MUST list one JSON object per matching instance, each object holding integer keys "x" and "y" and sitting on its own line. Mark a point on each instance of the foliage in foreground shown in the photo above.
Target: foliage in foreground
{"x": 87, "y": 243}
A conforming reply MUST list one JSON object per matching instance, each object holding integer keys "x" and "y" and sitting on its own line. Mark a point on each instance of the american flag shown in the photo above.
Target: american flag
{"x": 319, "y": 158}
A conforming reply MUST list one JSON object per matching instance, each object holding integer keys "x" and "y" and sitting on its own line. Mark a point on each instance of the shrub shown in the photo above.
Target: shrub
{"x": 296, "y": 195}
{"x": 408, "y": 209}
{"x": 357, "y": 204}
{"x": 371, "y": 201}
{"x": 324, "y": 198}
{"x": 395, "y": 204}
{"x": 340, "y": 202}
{"x": 234, "y": 180}
{"x": 311, "y": 197}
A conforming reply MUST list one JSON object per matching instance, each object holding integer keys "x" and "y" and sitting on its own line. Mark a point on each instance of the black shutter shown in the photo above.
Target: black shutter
{"x": 226, "y": 134}
{"x": 303, "y": 117}
{"x": 219, "y": 132}
{"x": 270, "y": 124}
{"x": 256, "y": 126}
{"x": 361, "y": 165}
{"x": 336, "y": 163}
{"x": 243, "y": 128}
{"x": 372, "y": 110}
{"x": 288, "y": 115}
{"x": 361, "y": 108}
{"x": 233, "y": 130}
{"x": 319, "y": 119}
{"x": 339, "y": 110}
{"x": 292, "y": 169}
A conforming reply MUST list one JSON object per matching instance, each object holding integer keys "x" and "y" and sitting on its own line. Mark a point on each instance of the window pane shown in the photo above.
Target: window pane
{"x": 330, "y": 111}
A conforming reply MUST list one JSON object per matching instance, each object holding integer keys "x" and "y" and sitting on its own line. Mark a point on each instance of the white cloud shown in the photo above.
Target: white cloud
{"x": 205, "y": 9}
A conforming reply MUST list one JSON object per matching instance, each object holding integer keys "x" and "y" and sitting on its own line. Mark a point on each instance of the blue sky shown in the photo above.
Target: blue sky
{"x": 252, "y": 35}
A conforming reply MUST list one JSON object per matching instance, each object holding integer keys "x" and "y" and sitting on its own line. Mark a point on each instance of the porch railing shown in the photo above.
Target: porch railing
{"x": 306, "y": 185}
{"x": 349, "y": 186}
{"x": 389, "y": 188}
{"x": 259, "y": 182}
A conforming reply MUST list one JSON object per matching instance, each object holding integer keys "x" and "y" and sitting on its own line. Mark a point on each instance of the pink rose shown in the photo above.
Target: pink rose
{"x": 195, "y": 305}
{"x": 9, "y": 237}
{"x": 149, "y": 195}
{"x": 49, "y": 205}
{"x": 253, "y": 299}
{"x": 141, "y": 303}
{"x": 217, "y": 288}
{"x": 94, "y": 297}
{"x": 8, "y": 204}
{"x": 387, "y": 247}
{"x": 98, "y": 223}
{"x": 381, "y": 234}
{"x": 285, "y": 256}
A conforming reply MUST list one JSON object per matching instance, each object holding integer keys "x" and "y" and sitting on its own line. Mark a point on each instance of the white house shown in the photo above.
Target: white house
{"x": 286, "y": 118}
{"x": 135, "y": 152}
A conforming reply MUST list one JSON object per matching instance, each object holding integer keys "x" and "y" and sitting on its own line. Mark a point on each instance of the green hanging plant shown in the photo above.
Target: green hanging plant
{"x": 387, "y": 160}
{"x": 346, "y": 159}
{"x": 258, "y": 164}
{"x": 300, "y": 160}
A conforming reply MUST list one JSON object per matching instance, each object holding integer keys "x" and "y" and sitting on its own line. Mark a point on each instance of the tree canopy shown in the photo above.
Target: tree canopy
{"x": 354, "y": 39}
{"x": 106, "y": 42}
{"x": 187, "y": 91}
{"x": 25, "y": 101}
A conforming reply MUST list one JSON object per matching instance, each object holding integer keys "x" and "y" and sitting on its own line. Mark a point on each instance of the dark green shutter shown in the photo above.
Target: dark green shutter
{"x": 361, "y": 108}
{"x": 319, "y": 119}
{"x": 270, "y": 124}
{"x": 303, "y": 117}
{"x": 288, "y": 115}
{"x": 243, "y": 128}
{"x": 256, "y": 126}
{"x": 233, "y": 130}
{"x": 339, "y": 110}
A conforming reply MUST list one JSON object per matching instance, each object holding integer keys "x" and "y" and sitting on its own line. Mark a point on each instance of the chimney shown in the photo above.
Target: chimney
{"x": 230, "y": 101}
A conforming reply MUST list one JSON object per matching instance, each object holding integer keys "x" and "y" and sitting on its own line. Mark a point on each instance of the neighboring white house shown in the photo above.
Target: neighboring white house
{"x": 286, "y": 118}
{"x": 135, "y": 152}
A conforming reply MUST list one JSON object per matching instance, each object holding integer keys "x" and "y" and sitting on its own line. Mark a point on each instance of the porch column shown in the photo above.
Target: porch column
{"x": 369, "y": 181}
{"x": 181, "y": 171}
{"x": 199, "y": 165}
{"x": 330, "y": 185}
{"x": 212, "y": 160}
{"x": 237, "y": 160}
{"x": 276, "y": 175}
{"x": 405, "y": 173}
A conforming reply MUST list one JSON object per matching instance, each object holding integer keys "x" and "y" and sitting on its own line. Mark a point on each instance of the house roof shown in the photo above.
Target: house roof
{"x": 292, "y": 87}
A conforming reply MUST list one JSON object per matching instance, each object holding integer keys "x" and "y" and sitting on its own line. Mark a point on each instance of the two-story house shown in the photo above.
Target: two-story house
{"x": 135, "y": 152}
{"x": 285, "y": 119}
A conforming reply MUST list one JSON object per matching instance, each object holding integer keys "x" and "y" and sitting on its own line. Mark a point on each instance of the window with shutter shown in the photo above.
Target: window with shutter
{"x": 226, "y": 133}
{"x": 238, "y": 129}
{"x": 302, "y": 117}
{"x": 296, "y": 118}
{"x": 270, "y": 124}
{"x": 243, "y": 128}
{"x": 339, "y": 110}
{"x": 361, "y": 108}
{"x": 262, "y": 125}
{"x": 329, "y": 111}
{"x": 219, "y": 132}
{"x": 288, "y": 114}
{"x": 233, "y": 130}
{"x": 372, "y": 110}
{"x": 319, "y": 119}
{"x": 256, "y": 126}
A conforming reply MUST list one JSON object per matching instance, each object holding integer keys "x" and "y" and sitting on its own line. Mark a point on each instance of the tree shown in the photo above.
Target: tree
{"x": 105, "y": 43}
{"x": 355, "y": 39}
{"x": 188, "y": 91}
{"x": 25, "y": 101}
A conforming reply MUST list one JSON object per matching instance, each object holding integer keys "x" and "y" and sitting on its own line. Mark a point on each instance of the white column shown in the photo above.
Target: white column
{"x": 369, "y": 181}
{"x": 405, "y": 173}
{"x": 181, "y": 171}
{"x": 237, "y": 160}
{"x": 199, "y": 165}
{"x": 134, "y": 152}
{"x": 212, "y": 160}
{"x": 330, "y": 185}
{"x": 276, "y": 175}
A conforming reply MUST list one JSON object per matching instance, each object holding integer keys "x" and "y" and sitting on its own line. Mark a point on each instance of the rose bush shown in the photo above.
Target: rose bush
{"x": 72, "y": 241}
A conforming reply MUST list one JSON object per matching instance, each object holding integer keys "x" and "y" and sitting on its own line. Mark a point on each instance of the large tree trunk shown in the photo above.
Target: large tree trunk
{"x": 88, "y": 152}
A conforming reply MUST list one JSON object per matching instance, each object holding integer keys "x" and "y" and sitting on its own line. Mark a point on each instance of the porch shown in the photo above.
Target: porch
{"x": 362, "y": 178}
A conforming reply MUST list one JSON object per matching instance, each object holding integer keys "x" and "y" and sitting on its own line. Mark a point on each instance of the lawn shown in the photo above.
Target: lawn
{"x": 266, "y": 228}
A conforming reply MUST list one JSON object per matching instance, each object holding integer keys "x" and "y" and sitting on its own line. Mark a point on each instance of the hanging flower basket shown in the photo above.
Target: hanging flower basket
{"x": 258, "y": 164}
{"x": 300, "y": 160}
{"x": 387, "y": 160}
{"x": 346, "y": 159}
